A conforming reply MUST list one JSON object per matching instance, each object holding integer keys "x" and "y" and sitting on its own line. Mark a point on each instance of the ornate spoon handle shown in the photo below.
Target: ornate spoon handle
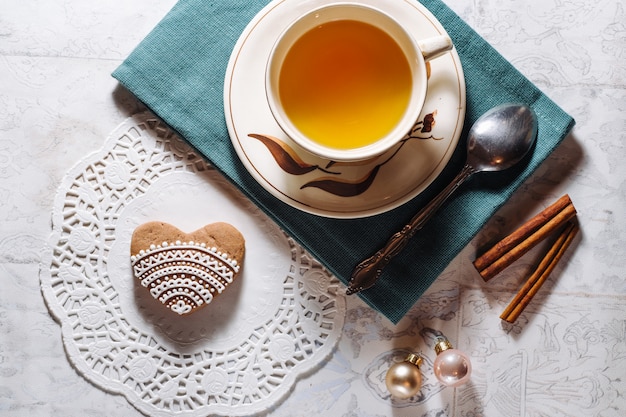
{"x": 368, "y": 271}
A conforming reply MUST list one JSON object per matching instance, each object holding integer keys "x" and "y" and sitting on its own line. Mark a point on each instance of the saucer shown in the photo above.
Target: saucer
{"x": 337, "y": 189}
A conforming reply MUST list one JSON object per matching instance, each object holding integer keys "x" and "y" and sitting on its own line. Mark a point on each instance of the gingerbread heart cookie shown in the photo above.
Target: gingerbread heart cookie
{"x": 186, "y": 271}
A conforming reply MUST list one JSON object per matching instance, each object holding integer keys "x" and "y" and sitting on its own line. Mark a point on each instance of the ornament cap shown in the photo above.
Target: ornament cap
{"x": 414, "y": 359}
{"x": 442, "y": 344}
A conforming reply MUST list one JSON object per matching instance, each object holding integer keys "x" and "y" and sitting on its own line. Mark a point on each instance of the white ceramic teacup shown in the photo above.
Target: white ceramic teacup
{"x": 331, "y": 85}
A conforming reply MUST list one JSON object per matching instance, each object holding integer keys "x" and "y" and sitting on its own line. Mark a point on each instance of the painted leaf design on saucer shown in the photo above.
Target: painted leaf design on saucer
{"x": 344, "y": 188}
{"x": 289, "y": 161}
{"x": 285, "y": 156}
{"x": 428, "y": 123}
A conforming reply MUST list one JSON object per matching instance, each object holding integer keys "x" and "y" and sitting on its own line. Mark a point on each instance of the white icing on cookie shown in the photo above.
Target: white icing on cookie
{"x": 184, "y": 275}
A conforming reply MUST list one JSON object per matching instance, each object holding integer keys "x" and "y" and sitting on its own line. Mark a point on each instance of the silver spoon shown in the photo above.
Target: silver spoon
{"x": 498, "y": 140}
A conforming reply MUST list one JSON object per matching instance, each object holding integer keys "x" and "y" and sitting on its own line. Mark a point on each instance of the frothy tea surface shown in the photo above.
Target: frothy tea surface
{"x": 345, "y": 84}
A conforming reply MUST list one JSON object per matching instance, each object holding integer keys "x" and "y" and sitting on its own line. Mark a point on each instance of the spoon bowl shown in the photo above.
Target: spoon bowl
{"x": 501, "y": 137}
{"x": 498, "y": 140}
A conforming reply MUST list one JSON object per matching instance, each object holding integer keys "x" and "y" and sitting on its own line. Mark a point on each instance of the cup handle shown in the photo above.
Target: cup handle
{"x": 435, "y": 46}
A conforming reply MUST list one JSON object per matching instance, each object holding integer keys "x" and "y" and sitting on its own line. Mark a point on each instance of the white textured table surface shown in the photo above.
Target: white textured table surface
{"x": 565, "y": 356}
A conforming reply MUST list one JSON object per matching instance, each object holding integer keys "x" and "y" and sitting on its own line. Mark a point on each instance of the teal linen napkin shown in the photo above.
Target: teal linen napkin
{"x": 178, "y": 71}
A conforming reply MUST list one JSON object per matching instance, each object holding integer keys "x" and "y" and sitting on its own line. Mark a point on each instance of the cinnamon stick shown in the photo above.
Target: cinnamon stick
{"x": 540, "y": 275}
{"x": 527, "y": 236}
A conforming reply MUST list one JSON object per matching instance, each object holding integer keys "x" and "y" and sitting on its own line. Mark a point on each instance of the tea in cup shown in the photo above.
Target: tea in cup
{"x": 346, "y": 81}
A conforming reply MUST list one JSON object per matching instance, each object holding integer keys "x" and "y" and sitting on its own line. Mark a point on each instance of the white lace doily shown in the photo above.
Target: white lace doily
{"x": 237, "y": 356}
